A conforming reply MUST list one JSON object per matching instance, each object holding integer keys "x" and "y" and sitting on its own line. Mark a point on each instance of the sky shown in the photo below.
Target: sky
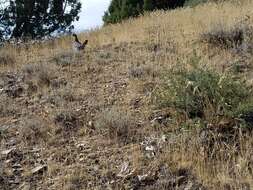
{"x": 91, "y": 14}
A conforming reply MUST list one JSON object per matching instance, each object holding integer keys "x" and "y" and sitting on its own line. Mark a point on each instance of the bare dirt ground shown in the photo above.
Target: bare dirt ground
{"x": 53, "y": 128}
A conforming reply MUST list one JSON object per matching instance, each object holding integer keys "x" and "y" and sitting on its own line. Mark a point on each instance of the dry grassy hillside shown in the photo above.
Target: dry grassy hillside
{"x": 158, "y": 102}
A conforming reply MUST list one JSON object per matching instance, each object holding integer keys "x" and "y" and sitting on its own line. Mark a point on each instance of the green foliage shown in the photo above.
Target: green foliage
{"x": 204, "y": 94}
{"x": 148, "y": 5}
{"x": 193, "y": 3}
{"x": 123, "y": 9}
{"x": 130, "y": 8}
{"x": 239, "y": 67}
{"x": 113, "y": 14}
{"x": 37, "y": 18}
{"x": 245, "y": 112}
{"x": 171, "y": 4}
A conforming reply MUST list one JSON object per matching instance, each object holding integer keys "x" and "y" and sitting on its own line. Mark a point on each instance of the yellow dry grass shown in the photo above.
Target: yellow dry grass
{"x": 103, "y": 77}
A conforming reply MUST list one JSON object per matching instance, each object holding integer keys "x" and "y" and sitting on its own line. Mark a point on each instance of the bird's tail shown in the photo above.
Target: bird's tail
{"x": 85, "y": 43}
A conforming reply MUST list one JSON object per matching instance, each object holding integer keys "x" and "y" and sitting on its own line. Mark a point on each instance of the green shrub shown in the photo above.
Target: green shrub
{"x": 239, "y": 67}
{"x": 245, "y": 113}
{"x": 202, "y": 93}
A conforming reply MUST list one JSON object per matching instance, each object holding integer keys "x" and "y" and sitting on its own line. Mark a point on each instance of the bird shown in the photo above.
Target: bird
{"x": 77, "y": 45}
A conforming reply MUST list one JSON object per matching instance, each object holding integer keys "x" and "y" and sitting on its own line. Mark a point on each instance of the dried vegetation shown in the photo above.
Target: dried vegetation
{"x": 153, "y": 103}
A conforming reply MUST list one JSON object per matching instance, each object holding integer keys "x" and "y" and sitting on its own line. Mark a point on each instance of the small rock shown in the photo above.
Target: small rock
{"x": 24, "y": 186}
{"x": 12, "y": 142}
{"x": 125, "y": 171}
{"x": 7, "y": 152}
{"x": 91, "y": 125}
{"x": 142, "y": 177}
{"x": 7, "y": 161}
{"x": 124, "y": 168}
{"x": 17, "y": 166}
{"x": 150, "y": 148}
{"x": 39, "y": 169}
{"x": 92, "y": 156}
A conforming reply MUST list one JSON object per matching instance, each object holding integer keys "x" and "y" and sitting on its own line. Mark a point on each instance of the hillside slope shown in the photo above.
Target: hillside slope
{"x": 90, "y": 120}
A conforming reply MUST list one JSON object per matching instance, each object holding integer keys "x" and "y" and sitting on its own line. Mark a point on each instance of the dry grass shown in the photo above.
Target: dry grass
{"x": 219, "y": 164}
{"x": 6, "y": 58}
{"x": 93, "y": 109}
{"x": 41, "y": 74}
{"x": 118, "y": 125}
{"x": 34, "y": 131}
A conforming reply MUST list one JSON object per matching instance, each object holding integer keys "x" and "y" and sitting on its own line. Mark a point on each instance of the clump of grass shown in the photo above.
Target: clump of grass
{"x": 139, "y": 71}
{"x": 6, "y": 107}
{"x": 240, "y": 67}
{"x": 245, "y": 113}
{"x": 75, "y": 180}
{"x": 67, "y": 119}
{"x": 64, "y": 58}
{"x": 104, "y": 55}
{"x": 39, "y": 74}
{"x": 202, "y": 93}
{"x": 119, "y": 125}
{"x": 62, "y": 95}
{"x": 6, "y": 58}
{"x": 238, "y": 36}
{"x": 34, "y": 131}
{"x": 136, "y": 72}
{"x": 211, "y": 157}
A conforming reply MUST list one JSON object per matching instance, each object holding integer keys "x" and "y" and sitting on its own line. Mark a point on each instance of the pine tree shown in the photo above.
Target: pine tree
{"x": 37, "y": 18}
{"x": 148, "y": 5}
{"x": 168, "y": 4}
{"x": 123, "y": 9}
